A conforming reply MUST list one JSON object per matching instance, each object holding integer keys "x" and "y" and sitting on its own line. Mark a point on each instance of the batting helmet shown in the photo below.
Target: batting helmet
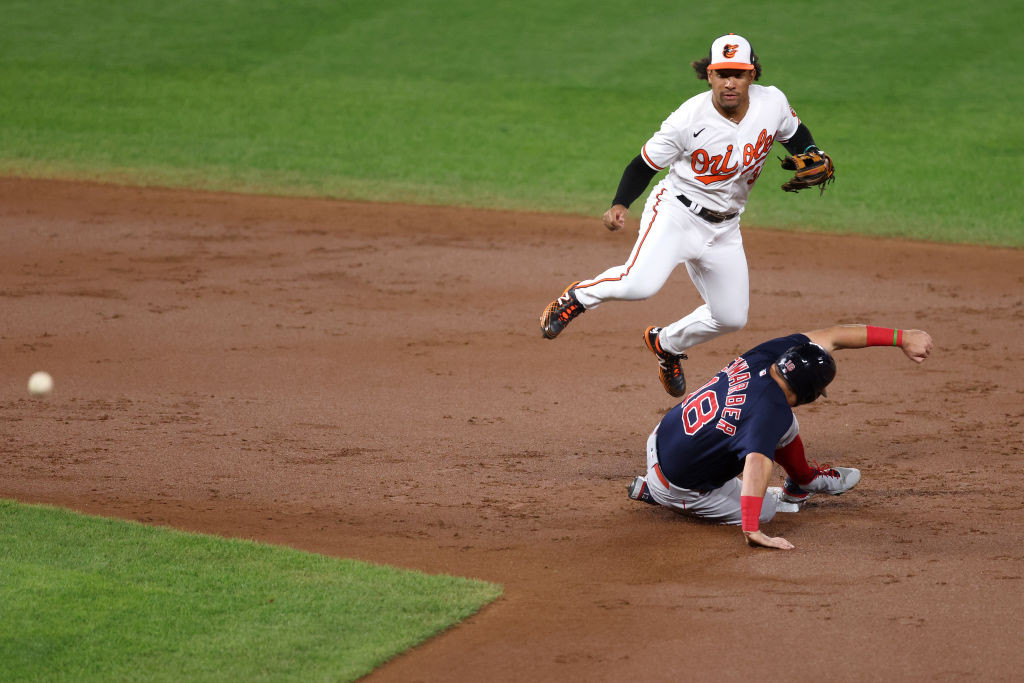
{"x": 807, "y": 368}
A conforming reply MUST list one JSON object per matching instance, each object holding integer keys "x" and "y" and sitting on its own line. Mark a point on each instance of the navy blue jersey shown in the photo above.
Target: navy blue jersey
{"x": 703, "y": 441}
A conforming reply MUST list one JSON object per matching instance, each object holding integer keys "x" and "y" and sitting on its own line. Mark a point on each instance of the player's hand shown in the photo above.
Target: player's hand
{"x": 758, "y": 539}
{"x": 917, "y": 344}
{"x": 615, "y": 217}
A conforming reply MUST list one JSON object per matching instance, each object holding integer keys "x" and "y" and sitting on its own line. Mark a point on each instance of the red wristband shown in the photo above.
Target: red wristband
{"x": 884, "y": 336}
{"x": 750, "y": 512}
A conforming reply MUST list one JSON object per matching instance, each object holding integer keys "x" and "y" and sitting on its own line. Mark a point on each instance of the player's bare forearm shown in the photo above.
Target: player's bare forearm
{"x": 916, "y": 344}
{"x": 757, "y": 470}
{"x": 840, "y": 337}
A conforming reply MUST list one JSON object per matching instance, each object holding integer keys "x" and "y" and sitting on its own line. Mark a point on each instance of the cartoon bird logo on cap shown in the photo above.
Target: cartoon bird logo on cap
{"x": 729, "y": 51}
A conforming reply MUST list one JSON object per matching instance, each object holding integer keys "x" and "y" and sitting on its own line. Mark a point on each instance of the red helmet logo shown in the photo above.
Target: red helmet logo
{"x": 729, "y": 51}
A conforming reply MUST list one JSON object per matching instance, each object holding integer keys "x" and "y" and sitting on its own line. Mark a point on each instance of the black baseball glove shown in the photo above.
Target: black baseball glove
{"x": 813, "y": 168}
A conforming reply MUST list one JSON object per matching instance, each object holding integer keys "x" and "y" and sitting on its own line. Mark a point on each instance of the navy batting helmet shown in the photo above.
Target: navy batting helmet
{"x": 807, "y": 368}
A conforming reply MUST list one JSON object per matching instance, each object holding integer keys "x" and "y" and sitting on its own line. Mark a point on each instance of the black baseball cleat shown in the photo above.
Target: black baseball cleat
{"x": 671, "y": 369}
{"x": 560, "y": 312}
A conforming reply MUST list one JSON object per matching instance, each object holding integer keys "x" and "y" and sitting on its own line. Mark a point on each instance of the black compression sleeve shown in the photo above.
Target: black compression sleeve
{"x": 635, "y": 180}
{"x": 800, "y": 141}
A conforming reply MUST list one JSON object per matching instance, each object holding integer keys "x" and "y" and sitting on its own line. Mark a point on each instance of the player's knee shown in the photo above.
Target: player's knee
{"x": 731, "y": 321}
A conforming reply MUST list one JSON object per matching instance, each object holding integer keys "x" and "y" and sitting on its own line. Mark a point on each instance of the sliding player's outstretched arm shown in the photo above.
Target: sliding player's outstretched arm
{"x": 917, "y": 344}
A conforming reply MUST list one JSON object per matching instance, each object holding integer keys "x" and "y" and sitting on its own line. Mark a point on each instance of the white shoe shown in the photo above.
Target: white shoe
{"x": 834, "y": 481}
{"x": 781, "y": 505}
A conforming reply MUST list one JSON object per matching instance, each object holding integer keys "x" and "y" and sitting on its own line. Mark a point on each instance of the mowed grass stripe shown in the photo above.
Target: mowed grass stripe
{"x": 530, "y": 104}
{"x": 87, "y": 598}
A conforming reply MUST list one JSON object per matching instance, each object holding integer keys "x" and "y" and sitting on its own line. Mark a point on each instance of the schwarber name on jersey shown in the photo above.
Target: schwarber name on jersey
{"x": 715, "y": 161}
{"x": 702, "y": 441}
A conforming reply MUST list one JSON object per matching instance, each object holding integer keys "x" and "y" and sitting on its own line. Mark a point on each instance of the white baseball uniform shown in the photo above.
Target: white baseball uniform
{"x": 713, "y": 163}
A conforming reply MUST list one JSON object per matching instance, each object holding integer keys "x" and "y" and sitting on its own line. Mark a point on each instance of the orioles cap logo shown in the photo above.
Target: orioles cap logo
{"x": 729, "y": 51}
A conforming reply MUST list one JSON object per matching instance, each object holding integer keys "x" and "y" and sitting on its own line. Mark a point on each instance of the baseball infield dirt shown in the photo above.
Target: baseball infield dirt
{"x": 370, "y": 381}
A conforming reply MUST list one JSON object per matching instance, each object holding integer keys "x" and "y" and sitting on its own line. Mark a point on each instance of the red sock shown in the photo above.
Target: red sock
{"x": 792, "y": 458}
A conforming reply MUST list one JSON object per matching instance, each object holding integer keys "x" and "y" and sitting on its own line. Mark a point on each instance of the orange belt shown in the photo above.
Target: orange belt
{"x": 661, "y": 477}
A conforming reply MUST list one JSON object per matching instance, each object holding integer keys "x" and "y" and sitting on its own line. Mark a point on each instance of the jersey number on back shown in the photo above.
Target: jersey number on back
{"x": 699, "y": 410}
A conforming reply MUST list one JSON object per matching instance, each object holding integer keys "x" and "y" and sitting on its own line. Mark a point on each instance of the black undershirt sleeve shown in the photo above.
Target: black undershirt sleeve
{"x": 800, "y": 142}
{"x": 635, "y": 180}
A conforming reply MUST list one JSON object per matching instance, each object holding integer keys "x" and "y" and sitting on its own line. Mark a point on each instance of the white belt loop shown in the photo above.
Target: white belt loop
{"x": 695, "y": 207}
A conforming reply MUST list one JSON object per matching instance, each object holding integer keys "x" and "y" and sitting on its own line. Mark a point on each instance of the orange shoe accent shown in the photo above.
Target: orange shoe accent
{"x": 670, "y": 366}
{"x": 560, "y": 312}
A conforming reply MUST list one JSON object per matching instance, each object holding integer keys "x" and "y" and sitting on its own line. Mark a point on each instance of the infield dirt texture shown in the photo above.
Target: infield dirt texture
{"x": 334, "y": 377}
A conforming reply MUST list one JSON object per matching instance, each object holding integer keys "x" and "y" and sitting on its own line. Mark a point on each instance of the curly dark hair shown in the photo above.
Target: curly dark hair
{"x": 701, "y": 66}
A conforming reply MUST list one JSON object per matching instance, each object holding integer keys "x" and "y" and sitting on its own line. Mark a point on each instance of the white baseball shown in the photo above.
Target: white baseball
{"x": 40, "y": 383}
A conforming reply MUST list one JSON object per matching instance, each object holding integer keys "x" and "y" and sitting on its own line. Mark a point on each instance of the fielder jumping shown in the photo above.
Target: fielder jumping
{"x": 714, "y": 146}
{"x": 741, "y": 420}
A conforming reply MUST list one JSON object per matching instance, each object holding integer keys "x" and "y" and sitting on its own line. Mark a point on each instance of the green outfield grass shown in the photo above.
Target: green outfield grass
{"x": 84, "y": 598}
{"x": 528, "y": 104}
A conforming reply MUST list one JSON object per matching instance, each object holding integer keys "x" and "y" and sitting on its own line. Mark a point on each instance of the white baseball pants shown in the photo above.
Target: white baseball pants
{"x": 670, "y": 235}
{"x": 721, "y": 505}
